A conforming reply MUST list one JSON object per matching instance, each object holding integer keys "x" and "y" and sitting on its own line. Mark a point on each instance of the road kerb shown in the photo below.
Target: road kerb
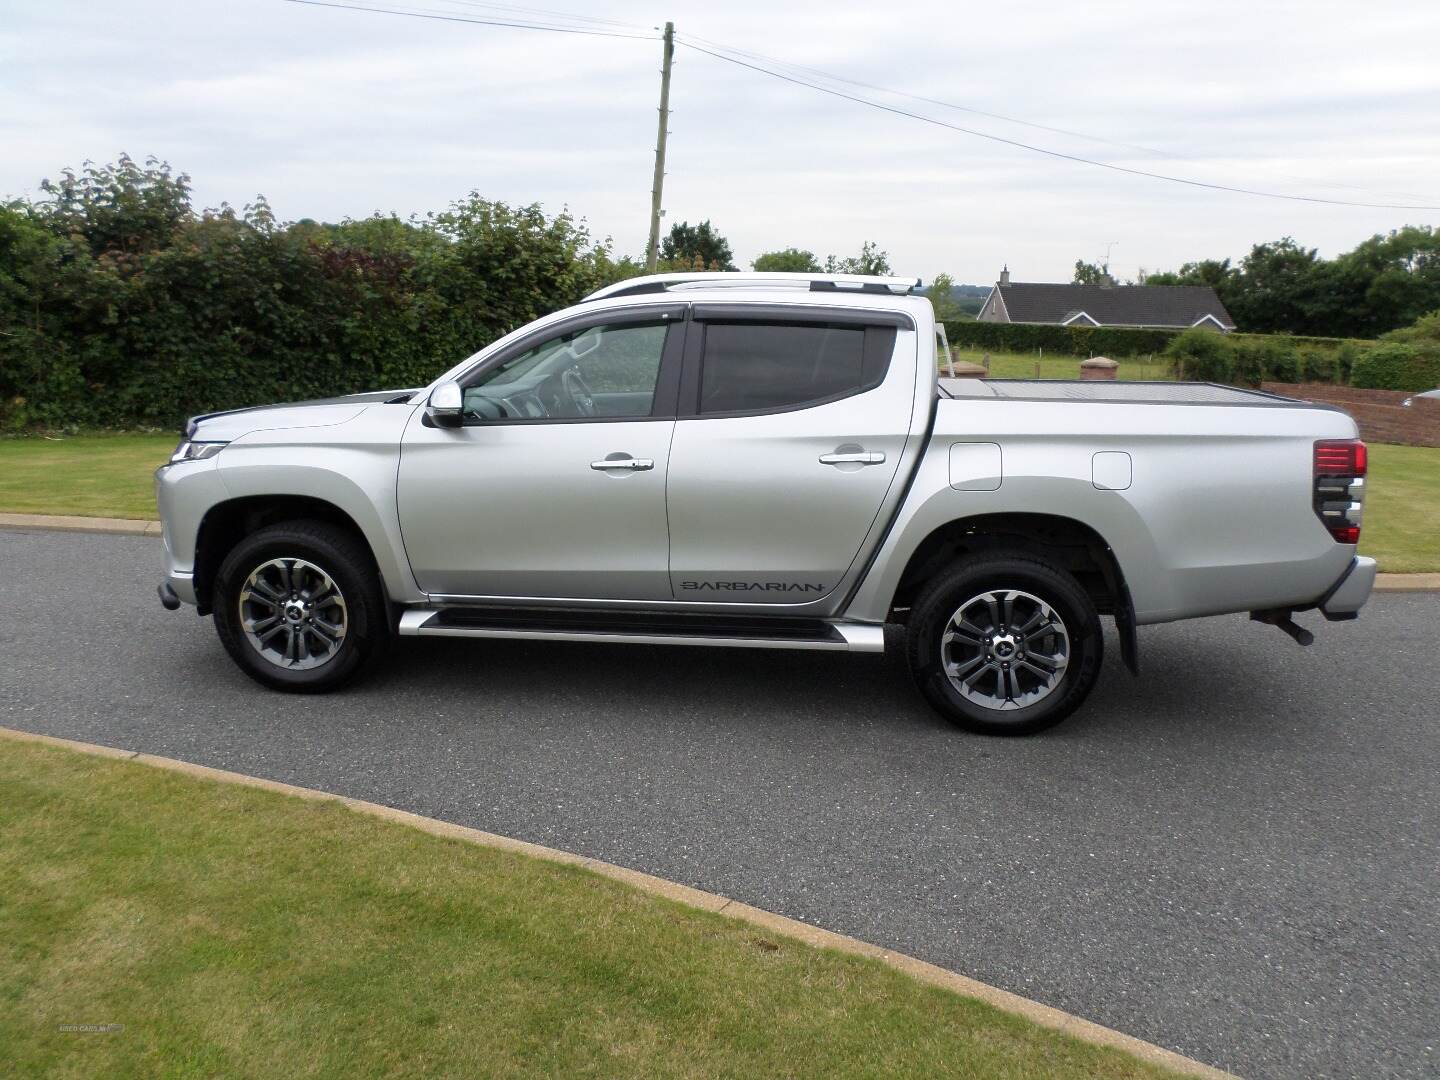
{"x": 1407, "y": 582}
{"x": 1043, "y": 1015}
{"x": 59, "y": 523}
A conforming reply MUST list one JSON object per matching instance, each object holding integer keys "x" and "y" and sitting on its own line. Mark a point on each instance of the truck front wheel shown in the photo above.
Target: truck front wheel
{"x": 299, "y": 607}
{"x": 1005, "y": 644}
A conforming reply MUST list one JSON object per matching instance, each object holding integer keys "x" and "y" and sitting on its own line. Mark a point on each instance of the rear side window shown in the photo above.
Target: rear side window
{"x": 760, "y": 367}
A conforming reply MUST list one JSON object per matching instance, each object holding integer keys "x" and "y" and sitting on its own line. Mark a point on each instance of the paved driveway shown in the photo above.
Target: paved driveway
{"x": 1235, "y": 856}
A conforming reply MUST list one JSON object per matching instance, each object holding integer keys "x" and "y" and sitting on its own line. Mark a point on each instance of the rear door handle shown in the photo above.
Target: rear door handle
{"x": 632, "y": 464}
{"x": 860, "y": 457}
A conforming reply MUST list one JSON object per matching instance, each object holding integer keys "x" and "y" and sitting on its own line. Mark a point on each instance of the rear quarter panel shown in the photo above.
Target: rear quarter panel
{"x": 1217, "y": 518}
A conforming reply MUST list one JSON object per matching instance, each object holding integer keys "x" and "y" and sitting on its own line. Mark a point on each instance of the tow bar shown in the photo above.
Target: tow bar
{"x": 1282, "y": 619}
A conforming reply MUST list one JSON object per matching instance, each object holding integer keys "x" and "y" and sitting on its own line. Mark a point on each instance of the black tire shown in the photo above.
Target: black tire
{"x": 346, "y": 560}
{"x": 1083, "y": 646}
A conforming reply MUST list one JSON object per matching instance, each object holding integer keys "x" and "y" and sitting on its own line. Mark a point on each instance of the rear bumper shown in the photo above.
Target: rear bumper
{"x": 1348, "y": 595}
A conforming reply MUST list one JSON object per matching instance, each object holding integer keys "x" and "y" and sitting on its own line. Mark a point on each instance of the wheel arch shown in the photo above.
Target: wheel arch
{"x": 227, "y": 523}
{"x": 1071, "y": 544}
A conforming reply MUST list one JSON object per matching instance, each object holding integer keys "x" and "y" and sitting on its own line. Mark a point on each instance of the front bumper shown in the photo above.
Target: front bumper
{"x": 177, "y": 585}
{"x": 184, "y": 492}
{"x": 1348, "y": 595}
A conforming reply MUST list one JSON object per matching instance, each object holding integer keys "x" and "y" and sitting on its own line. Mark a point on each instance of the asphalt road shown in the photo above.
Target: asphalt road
{"x": 1236, "y": 856}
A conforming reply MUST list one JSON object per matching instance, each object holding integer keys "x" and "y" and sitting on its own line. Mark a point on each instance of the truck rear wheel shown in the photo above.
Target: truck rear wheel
{"x": 1005, "y": 644}
{"x": 299, "y": 607}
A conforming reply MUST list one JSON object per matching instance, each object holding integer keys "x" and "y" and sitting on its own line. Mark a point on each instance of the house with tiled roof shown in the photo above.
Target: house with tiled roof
{"x": 1170, "y": 307}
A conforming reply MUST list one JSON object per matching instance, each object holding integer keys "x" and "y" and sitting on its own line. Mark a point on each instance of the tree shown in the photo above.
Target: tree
{"x": 942, "y": 299}
{"x": 789, "y": 261}
{"x": 1281, "y": 289}
{"x": 119, "y": 305}
{"x": 124, "y": 207}
{"x": 1390, "y": 280}
{"x": 870, "y": 261}
{"x": 1219, "y": 275}
{"x": 696, "y": 246}
{"x": 1385, "y": 282}
{"x": 1089, "y": 273}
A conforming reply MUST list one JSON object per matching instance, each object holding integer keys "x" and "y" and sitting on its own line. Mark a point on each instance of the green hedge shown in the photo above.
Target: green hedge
{"x": 1066, "y": 340}
{"x": 121, "y": 307}
{"x": 1396, "y": 365}
{"x": 1117, "y": 342}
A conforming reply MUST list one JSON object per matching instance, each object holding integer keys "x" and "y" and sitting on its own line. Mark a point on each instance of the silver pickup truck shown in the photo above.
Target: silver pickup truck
{"x": 763, "y": 460}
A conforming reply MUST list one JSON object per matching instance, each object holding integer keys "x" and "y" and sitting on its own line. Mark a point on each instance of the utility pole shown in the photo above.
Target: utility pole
{"x": 652, "y": 252}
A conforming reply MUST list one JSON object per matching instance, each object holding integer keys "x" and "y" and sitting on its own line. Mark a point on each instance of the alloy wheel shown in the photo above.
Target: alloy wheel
{"x": 293, "y": 614}
{"x": 1005, "y": 649}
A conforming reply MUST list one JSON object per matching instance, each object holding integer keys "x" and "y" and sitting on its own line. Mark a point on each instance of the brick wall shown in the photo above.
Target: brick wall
{"x": 1378, "y": 413}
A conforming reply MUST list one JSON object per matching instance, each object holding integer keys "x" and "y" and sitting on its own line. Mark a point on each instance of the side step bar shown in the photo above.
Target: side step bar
{"x": 643, "y": 629}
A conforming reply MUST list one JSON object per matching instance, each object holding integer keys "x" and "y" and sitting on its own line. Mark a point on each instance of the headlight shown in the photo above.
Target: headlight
{"x": 196, "y": 451}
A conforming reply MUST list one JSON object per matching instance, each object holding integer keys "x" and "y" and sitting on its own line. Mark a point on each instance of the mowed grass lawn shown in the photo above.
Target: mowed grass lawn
{"x": 89, "y": 475}
{"x": 228, "y": 931}
{"x": 110, "y": 476}
{"x": 1402, "y": 508}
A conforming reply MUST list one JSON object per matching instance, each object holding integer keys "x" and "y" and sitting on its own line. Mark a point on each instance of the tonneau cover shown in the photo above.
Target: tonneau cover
{"x": 1133, "y": 393}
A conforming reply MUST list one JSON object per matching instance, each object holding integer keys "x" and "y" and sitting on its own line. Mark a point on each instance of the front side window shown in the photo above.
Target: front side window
{"x": 749, "y": 367}
{"x": 597, "y": 372}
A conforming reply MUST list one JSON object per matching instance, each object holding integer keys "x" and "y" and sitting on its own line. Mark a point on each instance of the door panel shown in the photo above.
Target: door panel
{"x": 554, "y": 488}
{"x": 517, "y": 510}
{"x": 756, "y": 516}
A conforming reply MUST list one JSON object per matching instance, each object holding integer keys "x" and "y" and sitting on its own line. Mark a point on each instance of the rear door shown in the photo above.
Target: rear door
{"x": 791, "y": 424}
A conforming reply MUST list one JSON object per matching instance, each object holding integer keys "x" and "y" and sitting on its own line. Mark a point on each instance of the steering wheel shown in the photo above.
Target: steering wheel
{"x": 578, "y": 392}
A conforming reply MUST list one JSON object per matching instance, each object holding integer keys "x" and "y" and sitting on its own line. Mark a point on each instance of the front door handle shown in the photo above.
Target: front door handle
{"x": 632, "y": 464}
{"x": 859, "y": 457}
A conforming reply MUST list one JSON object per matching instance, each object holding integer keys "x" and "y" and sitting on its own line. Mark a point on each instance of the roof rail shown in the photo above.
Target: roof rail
{"x": 653, "y": 283}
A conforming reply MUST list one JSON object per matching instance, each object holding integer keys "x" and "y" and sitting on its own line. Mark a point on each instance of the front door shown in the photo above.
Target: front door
{"x": 554, "y": 487}
{"x": 789, "y": 437}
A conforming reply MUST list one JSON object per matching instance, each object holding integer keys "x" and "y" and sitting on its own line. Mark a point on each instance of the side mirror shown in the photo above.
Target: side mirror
{"x": 446, "y": 407}
{"x": 586, "y": 343}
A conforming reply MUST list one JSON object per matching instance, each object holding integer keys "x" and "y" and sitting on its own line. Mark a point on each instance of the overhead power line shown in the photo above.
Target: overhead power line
{"x": 564, "y": 23}
{"x": 515, "y": 24}
{"x": 566, "y": 16}
{"x": 830, "y": 76}
{"x": 1077, "y": 158}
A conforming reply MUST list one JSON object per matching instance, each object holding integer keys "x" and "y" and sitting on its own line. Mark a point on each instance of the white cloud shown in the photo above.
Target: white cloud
{"x": 332, "y": 113}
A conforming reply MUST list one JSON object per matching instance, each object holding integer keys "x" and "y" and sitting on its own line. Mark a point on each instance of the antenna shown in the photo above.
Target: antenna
{"x": 1105, "y": 266}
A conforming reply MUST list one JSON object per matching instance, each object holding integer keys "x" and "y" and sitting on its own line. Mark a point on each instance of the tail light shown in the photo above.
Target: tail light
{"x": 1340, "y": 466}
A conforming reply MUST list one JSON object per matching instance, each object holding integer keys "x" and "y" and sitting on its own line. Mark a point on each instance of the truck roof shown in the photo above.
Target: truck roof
{"x": 731, "y": 279}
{"x": 819, "y": 290}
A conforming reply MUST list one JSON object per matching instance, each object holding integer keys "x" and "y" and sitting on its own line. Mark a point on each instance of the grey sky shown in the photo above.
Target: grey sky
{"x": 333, "y": 113}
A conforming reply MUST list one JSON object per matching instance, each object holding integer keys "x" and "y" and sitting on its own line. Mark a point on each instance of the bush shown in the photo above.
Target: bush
{"x": 1249, "y": 366}
{"x": 1423, "y": 331}
{"x": 1345, "y": 357}
{"x": 1202, "y": 355}
{"x": 1281, "y": 363}
{"x": 1316, "y": 365}
{"x": 120, "y": 306}
{"x": 1397, "y": 365}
